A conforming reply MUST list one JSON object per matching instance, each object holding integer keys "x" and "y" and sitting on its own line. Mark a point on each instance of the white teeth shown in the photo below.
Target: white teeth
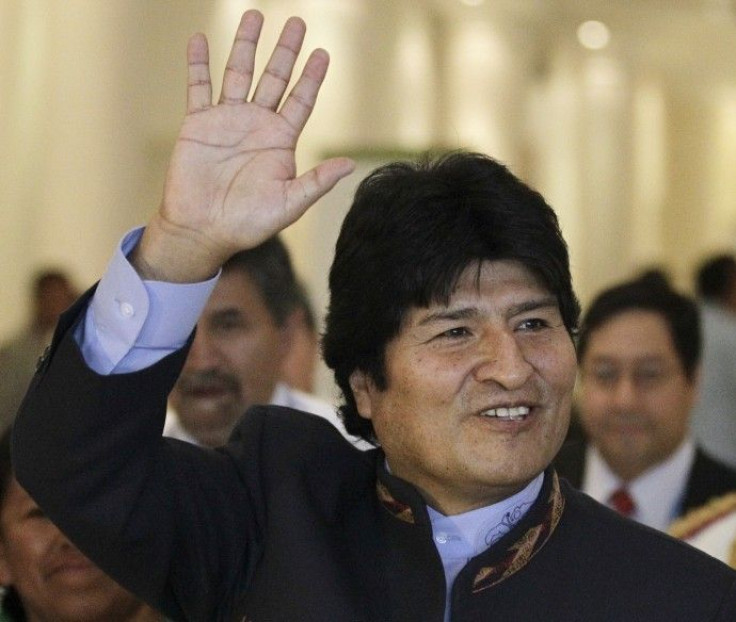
{"x": 511, "y": 414}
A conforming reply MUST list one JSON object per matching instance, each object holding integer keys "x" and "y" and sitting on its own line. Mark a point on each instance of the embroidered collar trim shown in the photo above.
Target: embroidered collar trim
{"x": 517, "y": 553}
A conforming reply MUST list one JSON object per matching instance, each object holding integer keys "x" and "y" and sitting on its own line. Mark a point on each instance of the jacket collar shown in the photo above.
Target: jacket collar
{"x": 504, "y": 558}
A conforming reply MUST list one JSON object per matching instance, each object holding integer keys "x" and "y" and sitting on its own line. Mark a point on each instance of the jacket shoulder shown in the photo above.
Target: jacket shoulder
{"x": 708, "y": 479}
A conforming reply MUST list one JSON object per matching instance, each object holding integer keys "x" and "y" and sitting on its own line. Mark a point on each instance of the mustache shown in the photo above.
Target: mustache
{"x": 628, "y": 417}
{"x": 207, "y": 380}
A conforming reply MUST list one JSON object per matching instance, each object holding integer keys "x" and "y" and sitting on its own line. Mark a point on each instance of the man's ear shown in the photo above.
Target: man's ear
{"x": 697, "y": 381}
{"x": 363, "y": 388}
{"x": 288, "y": 331}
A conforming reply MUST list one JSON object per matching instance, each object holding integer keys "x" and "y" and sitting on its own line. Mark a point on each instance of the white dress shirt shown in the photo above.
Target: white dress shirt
{"x": 657, "y": 493}
{"x": 283, "y": 395}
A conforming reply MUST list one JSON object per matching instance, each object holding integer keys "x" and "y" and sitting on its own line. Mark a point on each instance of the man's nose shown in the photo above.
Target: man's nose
{"x": 204, "y": 352}
{"x": 502, "y": 360}
{"x": 624, "y": 392}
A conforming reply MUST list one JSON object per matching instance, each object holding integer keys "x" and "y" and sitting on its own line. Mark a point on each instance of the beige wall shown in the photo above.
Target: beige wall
{"x": 636, "y": 155}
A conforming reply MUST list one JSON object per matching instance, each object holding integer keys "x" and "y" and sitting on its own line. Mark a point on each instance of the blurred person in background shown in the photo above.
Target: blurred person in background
{"x": 45, "y": 577}
{"x": 639, "y": 353}
{"x": 299, "y": 365}
{"x": 51, "y": 293}
{"x": 714, "y": 414}
{"x": 243, "y": 336}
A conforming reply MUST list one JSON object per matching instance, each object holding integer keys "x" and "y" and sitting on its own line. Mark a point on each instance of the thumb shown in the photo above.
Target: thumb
{"x": 303, "y": 191}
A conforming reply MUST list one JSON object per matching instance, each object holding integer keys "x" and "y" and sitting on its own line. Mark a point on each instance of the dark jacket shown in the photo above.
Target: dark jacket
{"x": 289, "y": 523}
{"x": 707, "y": 479}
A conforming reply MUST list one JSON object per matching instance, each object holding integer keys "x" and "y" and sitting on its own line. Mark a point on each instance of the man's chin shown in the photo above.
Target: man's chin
{"x": 207, "y": 407}
{"x": 211, "y": 421}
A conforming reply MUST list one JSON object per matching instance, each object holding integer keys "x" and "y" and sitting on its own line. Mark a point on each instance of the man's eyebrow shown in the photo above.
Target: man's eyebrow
{"x": 464, "y": 313}
{"x": 544, "y": 302}
{"x": 225, "y": 313}
{"x": 645, "y": 359}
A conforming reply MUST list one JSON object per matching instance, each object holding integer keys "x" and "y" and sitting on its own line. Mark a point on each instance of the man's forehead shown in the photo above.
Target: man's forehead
{"x": 632, "y": 335}
{"x": 638, "y": 326}
{"x": 506, "y": 287}
{"x": 502, "y": 278}
{"x": 234, "y": 286}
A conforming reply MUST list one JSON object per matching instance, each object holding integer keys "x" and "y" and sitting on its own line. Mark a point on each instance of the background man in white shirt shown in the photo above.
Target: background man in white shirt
{"x": 243, "y": 336}
{"x": 639, "y": 353}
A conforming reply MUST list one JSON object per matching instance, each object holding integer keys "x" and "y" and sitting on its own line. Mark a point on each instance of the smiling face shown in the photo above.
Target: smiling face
{"x": 478, "y": 392}
{"x": 53, "y": 579}
{"x": 234, "y": 362}
{"x": 635, "y": 397}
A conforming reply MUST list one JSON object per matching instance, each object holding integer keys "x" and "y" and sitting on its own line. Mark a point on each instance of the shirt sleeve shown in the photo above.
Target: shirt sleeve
{"x": 132, "y": 323}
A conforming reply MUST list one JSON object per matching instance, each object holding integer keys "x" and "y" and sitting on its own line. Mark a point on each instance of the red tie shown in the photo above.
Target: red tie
{"x": 622, "y": 502}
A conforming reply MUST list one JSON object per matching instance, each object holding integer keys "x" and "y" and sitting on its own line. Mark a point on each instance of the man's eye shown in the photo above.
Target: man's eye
{"x": 604, "y": 376}
{"x": 224, "y": 326}
{"x": 649, "y": 376}
{"x": 455, "y": 333}
{"x": 533, "y": 324}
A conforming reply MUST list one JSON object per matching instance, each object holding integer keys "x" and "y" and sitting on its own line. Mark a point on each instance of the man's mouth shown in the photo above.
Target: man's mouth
{"x": 205, "y": 392}
{"x": 513, "y": 413}
{"x": 204, "y": 385}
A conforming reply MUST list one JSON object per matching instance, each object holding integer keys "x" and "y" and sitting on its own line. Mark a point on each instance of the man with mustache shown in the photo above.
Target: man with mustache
{"x": 639, "y": 349}
{"x": 450, "y": 334}
{"x": 243, "y": 335}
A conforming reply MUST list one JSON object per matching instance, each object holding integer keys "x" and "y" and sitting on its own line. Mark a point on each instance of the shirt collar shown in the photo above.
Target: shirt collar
{"x": 469, "y": 534}
{"x": 657, "y": 492}
{"x": 281, "y": 395}
{"x": 532, "y": 526}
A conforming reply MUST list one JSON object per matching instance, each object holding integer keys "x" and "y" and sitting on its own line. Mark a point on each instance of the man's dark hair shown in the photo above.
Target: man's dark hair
{"x": 269, "y": 267}
{"x": 412, "y": 229}
{"x": 716, "y": 278}
{"x": 679, "y": 312}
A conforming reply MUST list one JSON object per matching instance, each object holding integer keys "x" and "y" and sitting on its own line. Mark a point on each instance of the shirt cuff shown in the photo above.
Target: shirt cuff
{"x": 132, "y": 323}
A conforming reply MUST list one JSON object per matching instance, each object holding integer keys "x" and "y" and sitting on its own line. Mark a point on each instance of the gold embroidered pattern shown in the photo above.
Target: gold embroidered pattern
{"x": 701, "y": 518}
{"x": 698, "y": 519}
{"x": 521, "y": 552}
{"x": 399, "y": 510}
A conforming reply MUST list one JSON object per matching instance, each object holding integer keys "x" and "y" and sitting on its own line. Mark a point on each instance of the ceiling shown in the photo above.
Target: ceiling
{"x": 690, "y": 40}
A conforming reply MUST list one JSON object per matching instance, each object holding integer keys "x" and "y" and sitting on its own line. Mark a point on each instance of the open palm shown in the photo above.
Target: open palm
{"x": 232, "y": 178}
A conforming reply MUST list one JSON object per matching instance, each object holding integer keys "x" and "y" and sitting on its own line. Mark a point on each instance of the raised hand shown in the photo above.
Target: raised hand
{"x": 232, "y": 178}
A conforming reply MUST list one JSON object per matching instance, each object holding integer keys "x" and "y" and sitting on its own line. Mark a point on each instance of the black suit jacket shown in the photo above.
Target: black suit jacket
{"x": 708, "y": 478}
{"x": 289, "y": 523}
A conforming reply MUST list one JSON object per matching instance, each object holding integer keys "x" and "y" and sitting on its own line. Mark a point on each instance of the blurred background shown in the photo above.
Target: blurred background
{"x": 621, "y": 112}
